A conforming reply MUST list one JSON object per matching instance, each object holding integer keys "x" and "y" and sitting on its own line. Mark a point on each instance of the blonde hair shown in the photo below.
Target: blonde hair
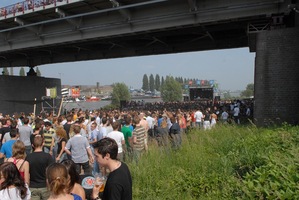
{"x": 57, "y": 178}
{"x": 60, "y": 132}
{"x": 18, "y": 150}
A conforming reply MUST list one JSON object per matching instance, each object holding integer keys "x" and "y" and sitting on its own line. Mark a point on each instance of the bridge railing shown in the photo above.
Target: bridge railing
{"x": 29, "y": 6}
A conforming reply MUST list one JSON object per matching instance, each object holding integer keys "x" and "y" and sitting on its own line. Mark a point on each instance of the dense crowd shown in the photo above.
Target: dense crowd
{"x": 26, "y": 5}
{"x": 34, "y": 143}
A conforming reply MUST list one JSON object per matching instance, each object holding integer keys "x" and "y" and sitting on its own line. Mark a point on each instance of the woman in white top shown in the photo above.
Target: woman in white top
{"x": 119, "y": 139}
{"x": 12, "y": 185}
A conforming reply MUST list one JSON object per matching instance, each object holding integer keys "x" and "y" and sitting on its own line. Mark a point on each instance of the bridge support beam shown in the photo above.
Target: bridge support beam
{"x": 277, "y": 77}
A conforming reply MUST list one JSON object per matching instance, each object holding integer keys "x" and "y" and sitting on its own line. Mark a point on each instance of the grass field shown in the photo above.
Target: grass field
{"x": 228, "y": 162}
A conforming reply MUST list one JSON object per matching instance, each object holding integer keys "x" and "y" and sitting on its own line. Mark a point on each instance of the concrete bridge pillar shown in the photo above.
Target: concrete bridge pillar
{"x": 277, "y": 77}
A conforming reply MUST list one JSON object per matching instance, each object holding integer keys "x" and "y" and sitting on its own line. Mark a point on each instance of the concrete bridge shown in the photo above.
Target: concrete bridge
{"x": 75, "y": 30}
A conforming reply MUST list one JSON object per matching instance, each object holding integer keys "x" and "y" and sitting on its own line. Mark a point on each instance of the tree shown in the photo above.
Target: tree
{"x": 151, "y": 83}
{"x": 157, "y": 82}
{"x": 5, "y": 71}
{"x": 171, "y": 90}
{"x": 38, "y": 73}
{"x": 227, "y": 95}
{"x": 22, "y": 72}
{"x": 120, "y": 93}
{"x": 162, "y": 82}
{"x": 145, "y": 86}
{"x": 98, "y": 90}
{"x": 249, "y": 91}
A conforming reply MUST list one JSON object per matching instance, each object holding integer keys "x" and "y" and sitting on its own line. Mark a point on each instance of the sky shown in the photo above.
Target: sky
{"x": 232, "y": 69}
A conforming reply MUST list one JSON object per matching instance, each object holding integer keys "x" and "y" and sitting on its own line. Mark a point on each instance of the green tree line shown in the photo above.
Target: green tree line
{"x": 21, "y": 72}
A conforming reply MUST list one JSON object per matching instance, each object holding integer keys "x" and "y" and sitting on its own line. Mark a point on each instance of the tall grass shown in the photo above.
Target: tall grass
{"x": 227, "y": 162}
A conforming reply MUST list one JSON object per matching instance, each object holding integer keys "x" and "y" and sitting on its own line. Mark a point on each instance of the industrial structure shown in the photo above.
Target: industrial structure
{"x": 74, "y": 30}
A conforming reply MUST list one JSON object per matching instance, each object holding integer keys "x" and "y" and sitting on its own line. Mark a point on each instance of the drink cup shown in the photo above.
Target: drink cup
{"x": 103, "y": 185}
{"x": 99, "y": 182}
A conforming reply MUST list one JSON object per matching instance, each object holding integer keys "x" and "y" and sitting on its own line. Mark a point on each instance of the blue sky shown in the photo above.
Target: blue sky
{"x": 232, "y": 69}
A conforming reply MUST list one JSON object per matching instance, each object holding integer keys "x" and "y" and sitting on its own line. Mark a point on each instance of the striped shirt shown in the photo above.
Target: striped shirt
{"x": 48, "y": 135}
{"x": 140, "y": 134}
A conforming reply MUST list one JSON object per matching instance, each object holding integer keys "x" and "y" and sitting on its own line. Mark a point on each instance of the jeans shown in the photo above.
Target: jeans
{"x": 85, "y": 166}
{"x": 198, "y": 124}
{"x": 55, "y": 151}
{"x": 176, "y": 140}
{"x": 46, "y": 150}
{"x": 96, "y": 166}
{"x": 137, "y": 154}
{"x": 62, "y": 157}
{"x": 28, "y": 149}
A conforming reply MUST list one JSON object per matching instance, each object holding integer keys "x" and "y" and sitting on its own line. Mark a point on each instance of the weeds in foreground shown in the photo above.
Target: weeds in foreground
{"x": 227, "y": 162}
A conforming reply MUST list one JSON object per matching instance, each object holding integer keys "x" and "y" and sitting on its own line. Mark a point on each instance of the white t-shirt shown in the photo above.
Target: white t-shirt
{"x": 13, "y": 194}
{"x": 198, "y": 116}
{"x": 236, "y": 111}
{"x": 108, "y": 129}
{"x": 150, "y": 121}
{"x": 98, "y": 120}
{"x": 118, "y": 137}
{"x": 103, "y": 131}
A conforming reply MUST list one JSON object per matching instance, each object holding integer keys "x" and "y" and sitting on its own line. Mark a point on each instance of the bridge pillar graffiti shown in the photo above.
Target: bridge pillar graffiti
{"x": 277, "y": 77}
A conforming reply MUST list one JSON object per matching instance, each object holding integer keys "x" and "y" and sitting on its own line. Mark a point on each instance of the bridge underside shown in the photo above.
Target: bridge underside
{"x": 158, "y": 42}
{"x": 101, "y": 29}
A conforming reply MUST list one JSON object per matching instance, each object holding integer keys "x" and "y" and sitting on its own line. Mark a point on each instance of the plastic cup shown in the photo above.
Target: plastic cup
{"x": 99, "y": 182}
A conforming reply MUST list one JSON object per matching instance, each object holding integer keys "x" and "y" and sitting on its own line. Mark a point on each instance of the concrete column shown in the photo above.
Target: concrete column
{"x": 277, "y": 77}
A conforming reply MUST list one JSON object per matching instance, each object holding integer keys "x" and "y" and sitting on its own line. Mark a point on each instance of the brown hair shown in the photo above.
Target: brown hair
{"x": 18, "y": 150}
{"x": 115, "y": 125}
{"x": 136, "y": 120}
{"x": 12, "y": 177}
{"x": 76, "y": 128}
{"x": 60, "y": 132}
{"x": 38, "y": 141}
{"x": 57, "y": 178}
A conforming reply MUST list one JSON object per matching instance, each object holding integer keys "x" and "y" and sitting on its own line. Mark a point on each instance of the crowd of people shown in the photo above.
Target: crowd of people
{"x": 49, "y": 153}
{"x": 23, "y": 6}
